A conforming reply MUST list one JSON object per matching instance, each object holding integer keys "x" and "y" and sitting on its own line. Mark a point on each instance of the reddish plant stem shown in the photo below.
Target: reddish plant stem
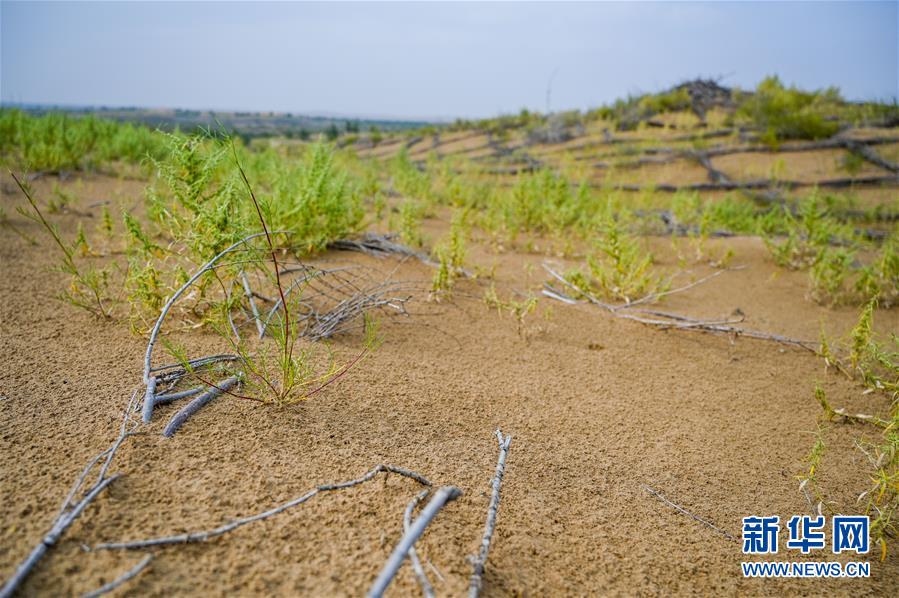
{"x": 288, "y": 345}
{"x": 338, "y": 375}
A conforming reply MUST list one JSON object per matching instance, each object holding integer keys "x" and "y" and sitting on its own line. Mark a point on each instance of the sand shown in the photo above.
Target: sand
{"x": 598, "y": 407}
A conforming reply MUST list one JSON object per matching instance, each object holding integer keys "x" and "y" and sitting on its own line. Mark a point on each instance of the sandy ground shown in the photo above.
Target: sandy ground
{"x": 598, "y": 407}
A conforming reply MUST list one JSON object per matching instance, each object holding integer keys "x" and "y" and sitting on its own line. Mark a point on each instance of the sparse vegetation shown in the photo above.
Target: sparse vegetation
{"x": 875, "y": 365}
{"x": 620, "y": 269}
{"x": 234, "y": 243}
{"x": 783, "y": 113}
{"x": 88, "y": 287}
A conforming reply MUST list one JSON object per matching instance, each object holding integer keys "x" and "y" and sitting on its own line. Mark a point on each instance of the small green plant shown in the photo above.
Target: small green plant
{"x": 145, "y": 291}
{"x": 444, "y": 278}
{"x": 809, "y": 479}
{"x": 138, "y": 241}
{"x": 876, "y": 366}
{"x": 451, "y": 256}
{"x": 621, "y": 268}
{"x": 852, "y": 163}
{"x": 459, "y": 231}
{"x": 829, "y": 249}
{"x": 87, "y": 286}
{"x": 60, "y": 200}
{"x": 879, "y": 280}
{"x": 829, "y": 273}
{"x": 81, "y": 245}
{"x": 106, "y": 225}
{"x": 519, "y": 310}
{"x": 807, "y": 233}
{"x": 410, "y": 223}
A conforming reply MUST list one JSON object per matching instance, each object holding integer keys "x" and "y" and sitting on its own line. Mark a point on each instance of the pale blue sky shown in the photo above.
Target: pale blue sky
{"x": 430, "y": 59}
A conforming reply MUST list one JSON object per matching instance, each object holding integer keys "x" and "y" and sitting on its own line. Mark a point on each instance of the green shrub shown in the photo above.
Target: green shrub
{"x": 620, "y": 269}
{"x": 788, "y": 113}
{"x": 56, "y": 142}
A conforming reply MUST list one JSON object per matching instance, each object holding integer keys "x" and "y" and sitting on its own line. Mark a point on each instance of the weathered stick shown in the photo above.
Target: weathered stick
{"x": 249, "y": 292}
{"x": 52, "y": 537}
{"x": 193, "y": 363}
{"x": 198, "y": 403}
{"x": 124, "y": 578}
{"x": 675, "y": 321}
{"x": 441, "y": 497}
{"x": 679, "y": 508}
{"x": 479, "y": 561}
{"x": 68, "y": 513}
{"x": 149, "y": 399}
{"x": 835, "y": 183}
{"x": 426, "y": 588}
{"x": 224, "y": 529}
{"x": 655, "y": 296}
{"x": 174, "y": 396}
{"x": 870, "y": 154}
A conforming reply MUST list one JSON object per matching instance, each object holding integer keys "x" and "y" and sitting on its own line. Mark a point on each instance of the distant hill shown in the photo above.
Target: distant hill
{"x": 245, "y": 124}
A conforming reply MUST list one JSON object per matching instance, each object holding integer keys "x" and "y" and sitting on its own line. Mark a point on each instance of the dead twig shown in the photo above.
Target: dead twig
{"x": 426, "y": 588}
{"x": 655, "y": 296}
{"x": 174, "y": 396}
{"x": 72, "y": 509}
{"x": 249, "y": 293}
{"x": 671, "y": 320}
{"x": 203, "y": 536}
{"x": 198, "y": 403}
{"x": 382, "y": 245}
{"x": 763, "y": 184}
{"x": 679, "y": 508}
{"x": 441, "y": 497}
{"x": 124, "y": 578}
{"x": 478, "y": 562}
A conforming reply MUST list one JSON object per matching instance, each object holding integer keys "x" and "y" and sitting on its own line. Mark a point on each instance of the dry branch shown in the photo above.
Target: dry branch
{"x": 871, "y": 155}
{"x": 478, "y": 562}
{"x": 249, "y": 293}
{"x": 168, "y": 398}
{"x": 670, "y": 320}
{"x": 124, "y": 578}
{"x": 69, "y": 512}
{"x": 334, "y": 301}
{"x": 378, "y": 246}
{"x": 426, "y": 588}
{"x": 198, "y": 403}
{"x": 679, "y": 508}
{"x": 224, "y": 529}
{"x": 837, "y": 183}
{"x": 862, "y": 147}
{"x": 441, "y": 497}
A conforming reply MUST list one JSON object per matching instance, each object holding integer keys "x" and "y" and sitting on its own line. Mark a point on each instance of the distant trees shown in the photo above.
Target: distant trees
{"x": 375, "y": 135}
{"x": 332, "y": 132}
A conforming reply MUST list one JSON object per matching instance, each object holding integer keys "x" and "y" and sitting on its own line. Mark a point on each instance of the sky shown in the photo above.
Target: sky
{"x": 431, "y": 60}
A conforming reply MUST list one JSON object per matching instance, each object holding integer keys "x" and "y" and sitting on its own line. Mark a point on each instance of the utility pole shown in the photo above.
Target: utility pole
{"x": 549, "y": 87}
